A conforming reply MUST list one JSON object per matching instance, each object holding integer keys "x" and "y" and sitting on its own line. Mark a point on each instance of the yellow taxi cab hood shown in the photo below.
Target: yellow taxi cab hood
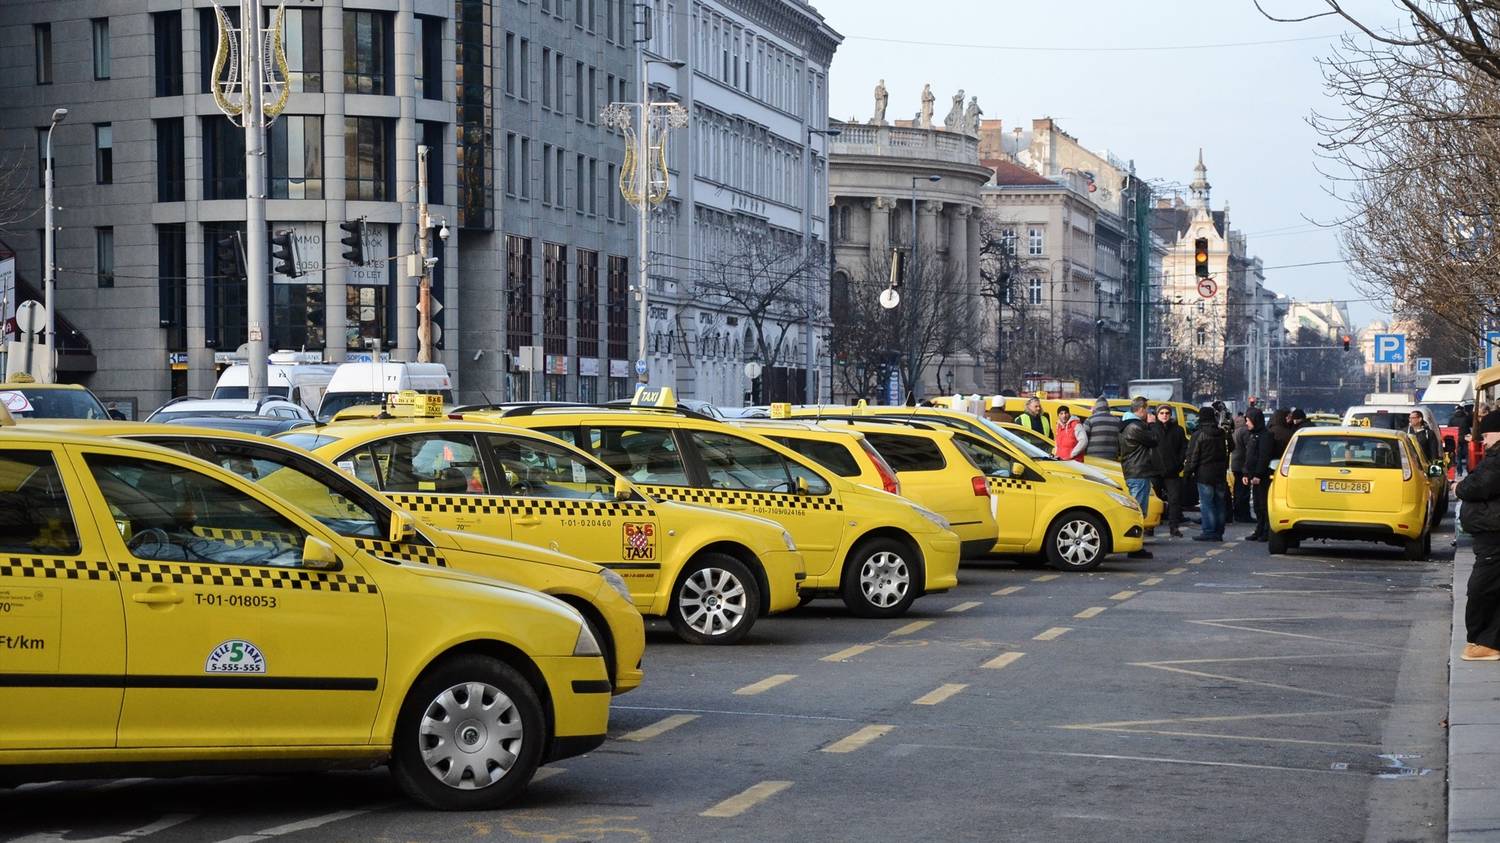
{"x": 506, "y": 549}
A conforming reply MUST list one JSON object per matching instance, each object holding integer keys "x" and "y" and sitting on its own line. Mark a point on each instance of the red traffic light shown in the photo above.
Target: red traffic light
{"x": 1346, "y": 343}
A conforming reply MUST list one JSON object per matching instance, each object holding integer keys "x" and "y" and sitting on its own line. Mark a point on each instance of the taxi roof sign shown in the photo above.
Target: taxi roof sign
{"x": 6, "y": 419}
{"x": 781, "y": 410}
{"x": 416, "y": 404}
{"x": 661, "y": 398}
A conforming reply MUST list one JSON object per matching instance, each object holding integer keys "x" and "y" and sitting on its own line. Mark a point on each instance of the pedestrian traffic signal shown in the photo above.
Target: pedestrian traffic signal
{"x": 229, "y": 257}
{"x": 354, "y": 241}
{"x": 1200, "y": 257}
{"x": 285, "y": 259}
{"x": 1346, "y": 343}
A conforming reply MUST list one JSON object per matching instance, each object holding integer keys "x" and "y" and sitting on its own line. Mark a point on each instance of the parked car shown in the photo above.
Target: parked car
{"x": 207, "y": 408}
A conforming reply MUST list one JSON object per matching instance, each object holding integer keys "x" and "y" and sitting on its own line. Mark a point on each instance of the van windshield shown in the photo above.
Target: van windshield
{"x": 333, "y": 402}
{"x": 244, "y": 391}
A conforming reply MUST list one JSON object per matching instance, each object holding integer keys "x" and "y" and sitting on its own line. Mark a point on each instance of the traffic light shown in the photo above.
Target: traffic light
{"x": 285, "y": 257}
{"x": 1200, "y": 257}
{"x": 354, "y": 241}
{"x": 1346, "y": 343}
{"x": 229, "y": 257}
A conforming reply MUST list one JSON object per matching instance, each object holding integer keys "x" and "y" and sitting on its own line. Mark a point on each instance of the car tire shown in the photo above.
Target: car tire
{"x": 1076, "y": 541}
{"x": 880, "y": 579}
{"x": 1276, "y": 543}
{"x": 462, "y": 749}
{"x": 1440, "y": 512}
{"x": 1416, "y": 549}
{"x": 715, "y": 601}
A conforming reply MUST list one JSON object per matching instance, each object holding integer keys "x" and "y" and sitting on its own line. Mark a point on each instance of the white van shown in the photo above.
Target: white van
{"x": 301, "y": 383}
{"x": 356, "y": 384}
{"x": 1446, "y": 393}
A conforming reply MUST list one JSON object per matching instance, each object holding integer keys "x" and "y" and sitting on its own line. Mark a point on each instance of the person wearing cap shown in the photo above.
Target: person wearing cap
{"x": 1260, "y": 449}
{"x": 1103, "y": 431}
{"x": 1072, "y": 439}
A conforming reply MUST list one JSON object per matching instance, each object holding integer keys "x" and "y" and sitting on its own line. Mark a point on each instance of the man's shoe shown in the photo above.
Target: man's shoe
{"x": 1480, "y": 653}
{"x": 1176, "y": 533}
{"x": 1139, "y": 554}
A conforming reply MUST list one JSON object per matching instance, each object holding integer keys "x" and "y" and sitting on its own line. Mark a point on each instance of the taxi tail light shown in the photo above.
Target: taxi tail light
{"x": 1286, "y": 465}
{"x": 981, "y": 486}
{"x": 888, "y": 479}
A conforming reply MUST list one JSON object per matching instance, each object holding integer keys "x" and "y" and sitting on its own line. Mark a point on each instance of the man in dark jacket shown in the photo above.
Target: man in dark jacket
{"x": 1480, "y": 516}
{"x": 1426, "y": 437}
{"x": 1280, "y": 429}
{"x": 1170, "y": 449}
{"x": 1239, "y": 448}
{"x": 1137, "y": 456}
{"x": 1260, "y": 450}
{"x": 1103, "y": 429}
{"x": 1460, "y": 421}
{"x": 1205, "y": 463}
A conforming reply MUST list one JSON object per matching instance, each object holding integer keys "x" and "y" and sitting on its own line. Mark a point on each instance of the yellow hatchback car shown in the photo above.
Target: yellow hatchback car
{"x": 355, "y": 511}
{"x": 161, "y": 613}
{"x": 1353, "y": 483}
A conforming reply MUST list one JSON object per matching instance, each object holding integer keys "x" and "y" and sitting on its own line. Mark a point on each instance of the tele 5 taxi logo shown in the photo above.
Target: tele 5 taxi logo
{"x": 235, "y": 656}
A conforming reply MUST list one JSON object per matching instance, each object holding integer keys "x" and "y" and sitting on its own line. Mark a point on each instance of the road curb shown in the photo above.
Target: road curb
{"x": 1473, "y": 726}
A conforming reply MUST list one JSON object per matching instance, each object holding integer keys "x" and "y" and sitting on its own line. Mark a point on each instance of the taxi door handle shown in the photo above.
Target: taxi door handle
{"x": 157, "y": 598}
{"x": 527, "y": 521}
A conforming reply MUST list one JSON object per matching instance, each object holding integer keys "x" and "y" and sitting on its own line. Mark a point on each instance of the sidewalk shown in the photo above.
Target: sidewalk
{"x": 1473, "y": 727}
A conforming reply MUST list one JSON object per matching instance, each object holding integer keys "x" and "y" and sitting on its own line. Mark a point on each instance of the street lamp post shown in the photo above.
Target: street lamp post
{"x": 809, "y": 390}
{"x": 49, "y": 271}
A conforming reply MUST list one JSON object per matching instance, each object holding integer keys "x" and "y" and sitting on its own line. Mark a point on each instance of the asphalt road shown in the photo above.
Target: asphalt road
{"x": 1213, "y": 693}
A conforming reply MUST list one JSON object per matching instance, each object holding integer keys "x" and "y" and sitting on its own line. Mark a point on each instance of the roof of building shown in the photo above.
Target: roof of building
{"x": 1171, "y": 223}
{"x": 1009, "y": 173}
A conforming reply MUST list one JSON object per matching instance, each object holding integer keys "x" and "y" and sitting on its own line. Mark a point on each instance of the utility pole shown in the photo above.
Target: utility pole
{"x": 49, "y": 269}
{"x": 424, "y": 283}
{"x": 810, "y": 388}
{"x": 257, "y": 282}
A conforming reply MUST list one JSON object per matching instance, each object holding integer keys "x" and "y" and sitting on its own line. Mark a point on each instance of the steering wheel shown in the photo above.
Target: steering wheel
{"x": 156, "y": 537}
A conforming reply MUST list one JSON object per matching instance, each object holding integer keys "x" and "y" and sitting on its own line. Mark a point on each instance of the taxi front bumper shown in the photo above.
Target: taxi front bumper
{"x": 1125, "y": 529}
{"x": 785, "y": 572}
{"x": 941, "y": 553}
{"x": 580, "y": 703}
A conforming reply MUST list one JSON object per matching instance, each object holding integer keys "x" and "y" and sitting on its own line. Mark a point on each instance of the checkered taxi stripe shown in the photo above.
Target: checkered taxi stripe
{"x": 257, "y": 539}
{"x": 416, "y": 554}
{"x": 241, "y": 576}
{"x": 1002, "y": 483}
{"x": 54, "y": 569}
{"x": 720, "y": 497}
{"x": 495, "y": 505}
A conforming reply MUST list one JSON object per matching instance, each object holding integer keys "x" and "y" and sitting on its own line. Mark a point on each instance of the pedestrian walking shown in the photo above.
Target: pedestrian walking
{"x": 1170, "y": 449}
{"x": 1034, "y": 419}
{"x": 1479, "y": 514}
{"x": 1426, "y": 437}
{"x": 1072, "y": 438}
{"x": 1260, "y": 450}
{"x": 1103, "y": 431}
{"x": 1239, "y": 448}
{"x": 1138, "y": 459}
{"x": 1205, "y": 463}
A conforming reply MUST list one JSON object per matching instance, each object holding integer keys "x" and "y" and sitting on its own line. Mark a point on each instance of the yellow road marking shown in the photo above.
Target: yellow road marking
{"x": 1091, "y": 612}
{"x": 1175, "y": 571}
{"x": 1045, "y": 578}
{"x": 848, "y": 653}
{"x": 1123, "y": 595}
{"x": 766, "y": 684}
{"x": 1008, "y": 590}
{"x": 1215, "y": 552}
{"x": 1054, "y": 632}
{"x": 659, "y": 727}
{"x": 1151, "y": 581}
{"x": 1199, "y": 561}
{"x": 1002, "y": 660}
{"x": 742, "y": 802}
{"x": 860, "y": 739}
{"x": 914, "y": 626}
{"x": 942, "y": 692}
{"x": 965, "y": 606}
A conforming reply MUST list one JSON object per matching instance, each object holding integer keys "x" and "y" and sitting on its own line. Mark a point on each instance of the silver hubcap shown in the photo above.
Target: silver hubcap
{"x": 1078, "y": 542}
{"x": 712, "y": 601}
{"x": 471, "y": 736}
{"x": 884, "y": 579}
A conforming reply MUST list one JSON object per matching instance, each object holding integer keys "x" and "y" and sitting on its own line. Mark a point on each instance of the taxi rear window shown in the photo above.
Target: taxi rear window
{"x": 34, "y": 514}
{"x": 307, "y": 441}
{"x": 908, "y": 453}
{"x": 1344, "y": 451}
{"x": 831, "y": 455}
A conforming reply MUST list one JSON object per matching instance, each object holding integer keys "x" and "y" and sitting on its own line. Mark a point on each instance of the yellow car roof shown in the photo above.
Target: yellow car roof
{"x": 103, "y": 427}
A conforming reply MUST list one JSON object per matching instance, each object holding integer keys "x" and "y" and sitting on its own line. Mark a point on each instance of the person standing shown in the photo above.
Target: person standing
{"x": 1280, "y": 430}
{"x": 1426, "y": 437}
{"x": 1072, "y": 439}
{"x": 1138, "y": 458}
{"x": 1034, "y": 419}
{"x": 1260, "y": 450}
{"x": 1460, "y": 421}
{"x": 1239, "y": 448}
{"x": 1205, "y": 463}
{"x": 1103, "y": 431}
{"x": 1170, "y": 449}
{"x": 1480, "y": 516}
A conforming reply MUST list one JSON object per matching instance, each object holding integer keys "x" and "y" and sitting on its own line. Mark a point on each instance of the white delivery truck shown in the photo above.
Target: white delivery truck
{"x": 1445, "y": 393}
{"x": 286, "y": 377}
{"x": 1156, "y": 390}
{"x": 359, "y": 384}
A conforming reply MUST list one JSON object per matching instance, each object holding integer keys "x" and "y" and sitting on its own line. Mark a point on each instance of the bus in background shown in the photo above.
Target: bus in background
{"x": 1444, "y": 395}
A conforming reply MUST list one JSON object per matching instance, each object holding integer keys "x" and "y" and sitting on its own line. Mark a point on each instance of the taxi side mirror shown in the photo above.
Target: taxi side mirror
{"x": 403, "y": 527}
{"x": 623, "y": 490}
{"x": 318, "y": 555}
{"x": 802, "y": 487}
{"x": 1435, "y": 470}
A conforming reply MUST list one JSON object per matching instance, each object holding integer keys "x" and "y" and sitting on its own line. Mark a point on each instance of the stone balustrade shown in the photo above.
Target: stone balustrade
{"x": 903, "y": 142}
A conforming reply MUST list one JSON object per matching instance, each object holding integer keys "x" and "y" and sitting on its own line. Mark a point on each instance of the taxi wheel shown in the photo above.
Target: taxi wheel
{"x": 879, "y": 579}
{"x": 716, "y": 601}
{"x": 1417, "y": 549}
{"x": 469, "y": 736}
{"x": 1276, "y": 543}
{"x": 1076, "y": 541}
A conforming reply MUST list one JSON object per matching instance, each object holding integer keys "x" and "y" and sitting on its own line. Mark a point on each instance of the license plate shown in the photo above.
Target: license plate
{"x": 1346, "y": 487}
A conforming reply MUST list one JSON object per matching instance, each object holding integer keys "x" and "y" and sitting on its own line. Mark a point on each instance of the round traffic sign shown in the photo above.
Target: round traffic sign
{"x": 640, "y": 367}
{"x": 889, "y": 298}
{"x": 31, "y": 317}
{"x": 1207, "y": 288}
{"x": 752, "y": 370}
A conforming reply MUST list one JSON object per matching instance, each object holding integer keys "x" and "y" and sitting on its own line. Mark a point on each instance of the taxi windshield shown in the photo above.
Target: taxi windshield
{"x": 25, "y": 403}
{"x": 1347, "y": 451}
{"x": 307, "y": 441}
{"x": 1010, "y": 438}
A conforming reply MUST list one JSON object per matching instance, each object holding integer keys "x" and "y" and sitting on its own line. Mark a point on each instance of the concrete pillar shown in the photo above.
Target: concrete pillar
{"x": 958, "y": 241}
{"x": 335, "y": 276}
{"x": 975, "y": 282}
{"x": 405, "y": 154}
{"x": 880, "y": 228}
{"x": 927, "y": 214}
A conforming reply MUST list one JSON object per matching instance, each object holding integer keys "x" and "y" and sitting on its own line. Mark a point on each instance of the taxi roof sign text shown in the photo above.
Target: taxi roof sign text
{"x": 661, "y": 397}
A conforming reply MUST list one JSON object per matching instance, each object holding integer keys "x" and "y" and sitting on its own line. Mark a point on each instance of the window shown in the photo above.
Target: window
{"x": 168, "y": 513}
{"x": 208, "y": 40}
{"x": 433, "y": 135}
{"x": 1034, "y": 294}
{"x": 735, "y": 463}
{"x": 368, "y": 170}
{"x": 1202, "y": 336}
{"x": 546, "y": 79}
{"x": 593, "y": 112}
{"x": 223, "y": 159}
{"x": 593, "y": 183}
{"x": 171, "y": 274}
{"x": 554, "y": 299}
{"x": 546, "y": 174}
{"x": 304, "y": 49}
{"x": 430, "y": 463}
{"x": 368, "y": 49}
{"x": 612, "y": 207}
{"x": 104, "y": 256}
{"x": 908, "y": 453}
{"x": 294, "y": 153}
{"x": 525, "y": 168}
{"x": 1007, "y": 241}
{"x": 167, "y": 27}
{"x": 559, "y": 84}
{"x": 100, "y": 27}
{"x": 617, "y": 292}
{"x": 104, "y": 153}
{"x": 41, "y": 156}
{"x": 525, "y": 70}
{"x": 537, "y": 468}
{"x": 643, "y": 455}
{"x": 580, "y": 76}
{"x": 992, "y": 461}
{"x": 171, "y": 183}
{"x": 35, "y": 517}
{"x": 510, "y": 63}
{"x": 511, "y": 164}
{"x": 429, "y": 58}
{"x": 561, "y": 178}
{"x": 831, "y": 455}
{"x": 41, "y": 36}
{"x": 517, "y": 292}
{"x": 586, "y": 319}
{"x": 1035, "y": 242}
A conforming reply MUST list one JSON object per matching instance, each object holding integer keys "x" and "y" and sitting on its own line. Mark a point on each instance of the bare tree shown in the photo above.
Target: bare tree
{"x": 15, "y": 193}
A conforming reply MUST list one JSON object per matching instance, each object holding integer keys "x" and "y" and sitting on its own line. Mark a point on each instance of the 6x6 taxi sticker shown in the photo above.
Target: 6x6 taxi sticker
{"x": 640, "y": 541}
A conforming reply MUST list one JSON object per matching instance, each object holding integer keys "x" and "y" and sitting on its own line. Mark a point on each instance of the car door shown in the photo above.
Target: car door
{"x": 438, "y": 476}
{"x": 232, "y": 640}
{"x": 62, "y": 628}
{"x": 1012, "y": 490}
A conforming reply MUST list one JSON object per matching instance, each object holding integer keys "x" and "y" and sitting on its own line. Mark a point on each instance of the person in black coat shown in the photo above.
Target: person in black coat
{"x": 1480, "y": 516}
{"x": 1171, "y": 446}
{"x": 1260, "y": 449}
{"x": 1205, "y": 463}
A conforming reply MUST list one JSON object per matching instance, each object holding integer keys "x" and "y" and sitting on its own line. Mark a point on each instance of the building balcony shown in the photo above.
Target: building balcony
{"x": 858, "y": 139}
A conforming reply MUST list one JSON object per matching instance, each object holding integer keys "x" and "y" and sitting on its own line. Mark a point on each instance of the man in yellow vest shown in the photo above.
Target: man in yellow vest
{"x": 1034, "y": 420}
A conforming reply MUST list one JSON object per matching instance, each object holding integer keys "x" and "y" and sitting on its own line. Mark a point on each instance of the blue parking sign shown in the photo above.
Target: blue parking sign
{"x": 1424, "y": 365}
{"x": 1491, "y": 348}
{"x": 1390, "y": 348}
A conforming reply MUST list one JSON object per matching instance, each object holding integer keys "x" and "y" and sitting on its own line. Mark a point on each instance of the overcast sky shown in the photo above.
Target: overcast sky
{"x": 1245, "y": 105}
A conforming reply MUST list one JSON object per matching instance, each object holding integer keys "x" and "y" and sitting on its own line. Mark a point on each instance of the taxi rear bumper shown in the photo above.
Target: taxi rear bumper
{"x": 1382, "y": 533}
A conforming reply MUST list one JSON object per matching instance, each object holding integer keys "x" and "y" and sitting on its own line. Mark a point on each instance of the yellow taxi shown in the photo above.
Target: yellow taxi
{"x": 355, "y": 511}
{"x": 1155, "y": 506}
{"x": 875, "y": 551}
{"x": 158, "y": 612}
{"x": 1357, "y": 484}
{"x": 711, "y": 574}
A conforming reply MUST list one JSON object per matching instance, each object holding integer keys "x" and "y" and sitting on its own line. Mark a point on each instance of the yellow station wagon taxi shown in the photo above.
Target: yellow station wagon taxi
{"x": 1353, "y": 483}
{"x": 356, "y": 511}
{"x": 163, "y": 614}
{"x": 875, "y": 551}
{"x": 710, "y": 574}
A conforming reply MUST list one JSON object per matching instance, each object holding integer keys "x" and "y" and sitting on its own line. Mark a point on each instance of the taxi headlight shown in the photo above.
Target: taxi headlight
{"x": 786, "y": 539}
{"x": 1126, "y": 501}
{"x": 940, "y": 521}
{"x": 586, "y": 645}
{"x": 616, "y": 582}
